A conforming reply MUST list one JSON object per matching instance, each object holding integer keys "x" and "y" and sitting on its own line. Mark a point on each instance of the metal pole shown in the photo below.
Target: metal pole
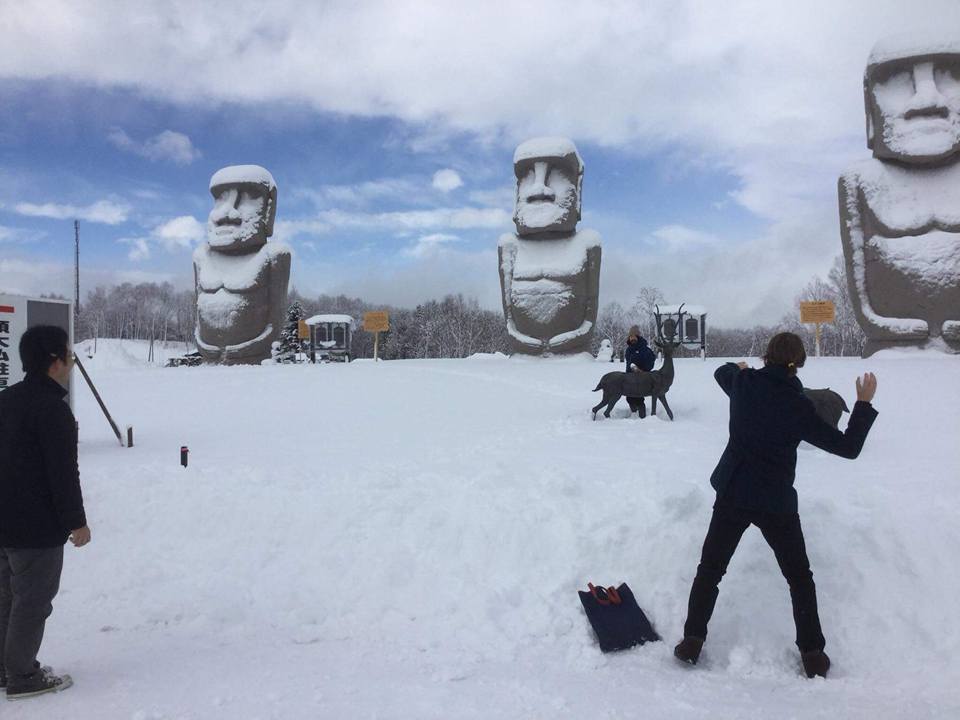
{"x": 76, "y": 271}
{"x": 818, "y": 339}
{"x": 116, "y": 430}
{"x": 376, "y": 344}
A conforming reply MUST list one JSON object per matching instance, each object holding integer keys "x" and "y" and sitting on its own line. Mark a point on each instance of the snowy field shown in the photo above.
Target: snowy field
{"x": 406, "y": 539}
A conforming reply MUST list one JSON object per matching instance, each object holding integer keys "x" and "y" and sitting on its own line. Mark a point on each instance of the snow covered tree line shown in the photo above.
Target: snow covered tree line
{"x": 456, "y": 326}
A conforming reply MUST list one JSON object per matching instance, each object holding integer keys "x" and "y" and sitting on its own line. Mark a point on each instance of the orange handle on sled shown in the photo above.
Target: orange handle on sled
{"x": 611, "y": 596}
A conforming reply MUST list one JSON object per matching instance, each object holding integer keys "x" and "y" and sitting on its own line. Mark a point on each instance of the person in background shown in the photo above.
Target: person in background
{"x": 41, "y": 505}
{"x": 638, "y": 358}
{"x": 769, "y": 416}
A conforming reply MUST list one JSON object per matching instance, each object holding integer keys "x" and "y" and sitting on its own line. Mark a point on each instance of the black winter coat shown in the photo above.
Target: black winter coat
{"x": 769, "y": 416}
{"x": 40, "y": 498}
{"x": 639, "y": 354}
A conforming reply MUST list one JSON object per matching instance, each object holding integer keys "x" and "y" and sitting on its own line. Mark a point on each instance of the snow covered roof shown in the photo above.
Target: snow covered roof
{"x": 546, "y": 147}
{"x": 318, "y": 319}
{"x": 236, "y": 174}
{"x": 896, "y": 47}
{"x": 687, "y": 309}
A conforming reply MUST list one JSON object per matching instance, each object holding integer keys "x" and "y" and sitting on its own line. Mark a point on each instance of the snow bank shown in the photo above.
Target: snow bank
{"x": 405, "y": 540}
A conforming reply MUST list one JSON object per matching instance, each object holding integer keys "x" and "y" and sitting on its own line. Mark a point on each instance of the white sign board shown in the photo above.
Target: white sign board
{"x": 17, "y": 313}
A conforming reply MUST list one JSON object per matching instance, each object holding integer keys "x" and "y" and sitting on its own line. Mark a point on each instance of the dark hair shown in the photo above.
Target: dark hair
{"x": 785, "y": 349}
{"x": 40, "y": 346}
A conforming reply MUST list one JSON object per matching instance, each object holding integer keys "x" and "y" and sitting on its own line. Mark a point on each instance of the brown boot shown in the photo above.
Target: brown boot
{"x": 815, "y": 663}
{"x": 688, "y": 649}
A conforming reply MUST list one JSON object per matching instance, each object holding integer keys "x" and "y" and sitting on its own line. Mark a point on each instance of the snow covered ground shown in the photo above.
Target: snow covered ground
{"x": 406, "y": 539}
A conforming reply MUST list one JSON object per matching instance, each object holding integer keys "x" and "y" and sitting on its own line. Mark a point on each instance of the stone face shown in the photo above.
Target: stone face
{"x": 549, "y": 271}
{"x": 900, "y": 210}
{"x": 240, "y": 278}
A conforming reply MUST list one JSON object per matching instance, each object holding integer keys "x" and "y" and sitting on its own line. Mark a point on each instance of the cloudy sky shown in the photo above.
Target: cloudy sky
{"x": 712, "y": 133}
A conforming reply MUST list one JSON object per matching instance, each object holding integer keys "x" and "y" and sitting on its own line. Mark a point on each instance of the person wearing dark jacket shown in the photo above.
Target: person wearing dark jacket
{"x": 769, "y": 416}
{"x": 638, "y": 358}
{"x": 41, "y": 505}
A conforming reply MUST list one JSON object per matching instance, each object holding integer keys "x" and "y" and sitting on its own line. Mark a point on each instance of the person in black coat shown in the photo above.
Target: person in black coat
{"x": 41, "y": 505}
{"x": 769, "y": 416}
{"x": 638, "y": 358}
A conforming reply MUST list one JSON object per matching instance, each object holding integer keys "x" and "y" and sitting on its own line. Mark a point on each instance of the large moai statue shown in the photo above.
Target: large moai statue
{"x": 241, "y": 279}
{"x": 549, "y": 270}
{"x": 900, "y": 209}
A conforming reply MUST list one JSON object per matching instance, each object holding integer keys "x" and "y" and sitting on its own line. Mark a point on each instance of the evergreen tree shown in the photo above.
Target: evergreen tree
{"x": 290, "y": 343}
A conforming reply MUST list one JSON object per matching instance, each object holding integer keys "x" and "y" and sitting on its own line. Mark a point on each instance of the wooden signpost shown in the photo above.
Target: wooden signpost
{"x": 376, "y": 322}
{"x": 817, "y": 311}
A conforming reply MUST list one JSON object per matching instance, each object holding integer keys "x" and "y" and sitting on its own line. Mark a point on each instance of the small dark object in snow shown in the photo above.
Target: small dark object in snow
{"x": 616, "y": 618}
{"x": 829, "y": 405}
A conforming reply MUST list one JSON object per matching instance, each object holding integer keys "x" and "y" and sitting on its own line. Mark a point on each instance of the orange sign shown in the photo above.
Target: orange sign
{"x": 817, "y": 311}
{"x": 378, "y": 321}
{"x": 303, "y": 330}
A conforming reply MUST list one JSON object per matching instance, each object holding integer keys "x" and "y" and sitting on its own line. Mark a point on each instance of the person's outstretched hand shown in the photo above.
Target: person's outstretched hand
{"x": 867, "y": 387}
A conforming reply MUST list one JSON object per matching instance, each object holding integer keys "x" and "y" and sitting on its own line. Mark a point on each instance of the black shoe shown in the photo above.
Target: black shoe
{"x": 36, "y": 666}
{"x": 688, "y": 650}
{"x": 39, "y": 682}
{"x": 815, "y": 663}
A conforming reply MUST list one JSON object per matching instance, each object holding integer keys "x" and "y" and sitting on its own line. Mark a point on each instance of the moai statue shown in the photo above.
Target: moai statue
{"x": 900, "y": 210}
{"x": 241, "y": 279}
{"x": 549, "y": 271}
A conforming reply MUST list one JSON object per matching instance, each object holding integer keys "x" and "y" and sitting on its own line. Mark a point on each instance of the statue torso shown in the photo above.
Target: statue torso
{"x": 233, "y": 295}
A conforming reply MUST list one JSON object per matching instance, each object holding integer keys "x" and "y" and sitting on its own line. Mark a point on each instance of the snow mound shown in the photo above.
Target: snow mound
{"x": 406, "y": 539}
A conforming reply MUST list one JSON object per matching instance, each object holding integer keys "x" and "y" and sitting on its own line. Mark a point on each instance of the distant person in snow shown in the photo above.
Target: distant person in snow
{"x": 769, "y": 416}
{"x": 638, "y": 358}
{"x": 40, "y": 507}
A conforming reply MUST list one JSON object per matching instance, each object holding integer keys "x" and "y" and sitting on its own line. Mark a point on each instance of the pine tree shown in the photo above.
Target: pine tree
{"x": 290, "y": 343}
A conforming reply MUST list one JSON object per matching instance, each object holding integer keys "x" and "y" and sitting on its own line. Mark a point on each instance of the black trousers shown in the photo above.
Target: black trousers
{"x": 29, "y": 580}
{"x": 785, "y": 537}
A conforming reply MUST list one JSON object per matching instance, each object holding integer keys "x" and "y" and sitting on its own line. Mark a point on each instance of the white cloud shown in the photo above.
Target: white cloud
{"x": 178, "y": 233}
{"x": 674, "y": 238}
{"x": 31, "y": 277}
{"x": 108, "y": 212}
{"x": 19, "y": 235}
{"x": 430, "y": 244}
{"x": 168, "y": 145}
{"x": 446, "y": 180}
{"x": 769, "y": 91}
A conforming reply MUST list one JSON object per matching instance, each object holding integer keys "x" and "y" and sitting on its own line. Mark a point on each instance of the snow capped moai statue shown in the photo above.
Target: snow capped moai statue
{"x": 241, "y": 279}
{"x": 549, "y": 271}
{"x": 900, "y": 210}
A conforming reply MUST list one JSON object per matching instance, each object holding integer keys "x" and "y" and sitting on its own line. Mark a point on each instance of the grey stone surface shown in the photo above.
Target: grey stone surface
{"x": 900, "y": 209}
{"x": 549, "y": 271}
{"x": 241, "y": 279}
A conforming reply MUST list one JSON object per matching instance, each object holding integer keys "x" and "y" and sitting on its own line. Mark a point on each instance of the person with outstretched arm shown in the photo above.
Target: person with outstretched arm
{"x": 769, "y": 416}
{"x": 41, "y": 505}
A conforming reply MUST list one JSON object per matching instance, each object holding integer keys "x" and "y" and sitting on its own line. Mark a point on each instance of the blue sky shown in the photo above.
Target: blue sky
{"x": 712, "y": 138}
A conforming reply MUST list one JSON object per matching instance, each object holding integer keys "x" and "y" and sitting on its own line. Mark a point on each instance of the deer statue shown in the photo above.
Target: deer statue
{"x": 653, "y": 384}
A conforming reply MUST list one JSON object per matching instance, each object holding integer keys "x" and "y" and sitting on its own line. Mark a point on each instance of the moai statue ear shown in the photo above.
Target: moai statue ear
{"x": 868, "y": 107}
{"x": 271, "y": 211}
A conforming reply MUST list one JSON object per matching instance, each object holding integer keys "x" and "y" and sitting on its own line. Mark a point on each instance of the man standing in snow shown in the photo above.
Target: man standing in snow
{"x": 40, "y": 507}
{"x": 639, "y": 358}
{"x": 769, "y": 416}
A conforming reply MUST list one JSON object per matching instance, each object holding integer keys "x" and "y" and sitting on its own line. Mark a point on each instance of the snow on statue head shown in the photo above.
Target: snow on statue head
{"x": 244, "y": 208}
{"x": 549, "y": 271}
{"x": 912, "y": 96}
{"x": 241, "y": 279}
{"x": 900, "y": 210}
{"x": 549, "y": 178}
